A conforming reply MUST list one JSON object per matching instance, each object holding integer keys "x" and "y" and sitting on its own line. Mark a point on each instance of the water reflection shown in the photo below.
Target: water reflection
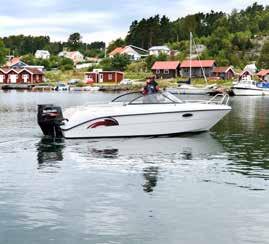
{"x": 49, "y": 152}
{"x": 105, "y": 153}
{"x": 245, "y": 136}
{"x": 151, "y": 177}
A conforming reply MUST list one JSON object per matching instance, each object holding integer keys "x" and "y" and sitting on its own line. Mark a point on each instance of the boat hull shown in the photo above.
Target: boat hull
{"x": 157, "y": 124}
{"x": 247, "y": 92}
{"x": 190, "y": 91}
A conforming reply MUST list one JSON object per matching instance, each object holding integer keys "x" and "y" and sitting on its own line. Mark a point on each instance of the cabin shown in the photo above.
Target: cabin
{"x": 245, "y": 74}
{"x": 21, "y": 76}
{"x": 104, "y": 76}
{"x": 197, "y": 67}
{"x": 224, "y": 73}
{"x": 263, "y": 75}
{"x": 166, "y": 69}
{"x": 75, "y": 56}
{"x": 42, "y": 54}
{"x": 134, "y": 53}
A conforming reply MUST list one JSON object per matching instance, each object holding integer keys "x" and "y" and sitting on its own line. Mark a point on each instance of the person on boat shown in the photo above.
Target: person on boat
{"x": 151, "y": 86}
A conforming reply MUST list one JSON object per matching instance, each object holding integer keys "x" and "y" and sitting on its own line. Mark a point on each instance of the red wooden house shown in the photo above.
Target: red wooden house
{"x": 104, "y": 76}
{"x": 20, "y": 76}
{"x": 166, "y": 69}
{"x": 263, "y": 74}
{"x": 225, "y": 73}
{"x": 197, "y": 68}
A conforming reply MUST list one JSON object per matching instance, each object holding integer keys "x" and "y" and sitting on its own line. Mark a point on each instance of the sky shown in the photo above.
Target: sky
{"x": 101, "y": 20}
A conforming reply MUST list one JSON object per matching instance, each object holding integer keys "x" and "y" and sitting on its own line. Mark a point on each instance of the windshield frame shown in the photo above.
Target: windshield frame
{"x": 167, "y": 95}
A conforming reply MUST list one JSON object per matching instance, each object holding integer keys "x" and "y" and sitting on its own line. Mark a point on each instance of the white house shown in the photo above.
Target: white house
{"x": 199, "y": 48}
{"x": 135, "y": 53}
{"x": 43, "y": 54}
{"x": 157, "y": 50}
{"x": 251, "y": 68}
{"x": 76, "y": 56}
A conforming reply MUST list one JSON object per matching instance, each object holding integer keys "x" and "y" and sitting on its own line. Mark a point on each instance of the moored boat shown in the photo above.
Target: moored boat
{"x": 249, "y": 87}
{"x": 192, "y": 90}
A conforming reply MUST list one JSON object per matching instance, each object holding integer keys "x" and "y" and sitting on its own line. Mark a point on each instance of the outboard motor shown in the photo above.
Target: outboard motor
{"x": 50, "y": 118}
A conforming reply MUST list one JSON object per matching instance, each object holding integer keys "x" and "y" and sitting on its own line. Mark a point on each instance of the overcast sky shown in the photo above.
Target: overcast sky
{"x": 101, "y": 20}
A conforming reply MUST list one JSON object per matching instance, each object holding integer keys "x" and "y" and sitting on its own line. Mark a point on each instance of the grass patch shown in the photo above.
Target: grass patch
{"x": 63, "y": 76}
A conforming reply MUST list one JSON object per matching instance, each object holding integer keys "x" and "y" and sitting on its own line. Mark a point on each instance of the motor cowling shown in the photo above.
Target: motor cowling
{"x": 50, "y": 118}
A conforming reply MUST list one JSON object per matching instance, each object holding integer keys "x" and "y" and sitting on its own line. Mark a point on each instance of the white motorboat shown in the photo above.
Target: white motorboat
{"x": 62, "y": 87}
{"x": 249, "y": 87}
{"x": 85, "y": 88}
{"x": 133, "y": 114}
{"x": 191, "y": 90}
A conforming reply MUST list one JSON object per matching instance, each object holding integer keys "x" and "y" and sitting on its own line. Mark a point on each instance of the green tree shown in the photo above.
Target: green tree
{"x": 114, "y": 44}
{"x": 264, "y": 56}
{"x": 74, "y": 41}
{"x": 120, "y": 62}
{"x": 3, "y": 53}
{"x": 106, "y": 64}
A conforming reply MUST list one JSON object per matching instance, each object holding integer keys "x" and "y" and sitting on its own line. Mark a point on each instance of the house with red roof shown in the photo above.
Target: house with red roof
{"x": 21, "y": 76}
{"x": 224, "y": 73}
{"x": 197, "y": 67}
{"x": 166, "y": 69}
{"x": 15, "y": 62}
{"x": 263, "y": 74}
{"x": 76, "y": 56}
{"x": 135, "y": 53}
{"x": 100, "y": 76}
{"x": 117, "y": 50}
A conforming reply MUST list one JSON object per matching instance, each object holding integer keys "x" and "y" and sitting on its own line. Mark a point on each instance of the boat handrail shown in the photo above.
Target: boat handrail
{"x": 224, "y": 99}
{"x": 214, "y": 100}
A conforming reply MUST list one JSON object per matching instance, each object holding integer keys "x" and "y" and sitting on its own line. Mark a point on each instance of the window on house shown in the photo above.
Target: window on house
{"x": 158, "y": 71}
{"x": 110, "y": 77}
{"x": 166, "y": 71}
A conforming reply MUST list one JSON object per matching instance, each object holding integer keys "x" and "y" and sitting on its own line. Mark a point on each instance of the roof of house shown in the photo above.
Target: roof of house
{"x": 197, "y": 63}
{"x": 165, "y": 65}
{"x": 263, "y": 72}
{"x": 42, "y": 51}
{"x": 19, "y": 70}
{"x": 117, "y": 50}
{"x": 251, "y": 67}
{"x": 94, "y": 72}
{"x": 139, "y": 50}
{"x": 159, "y": 48}
{"x": 14, "y": 61}
{"x": 223, "y": 69}
{"x": 34, "y": 71}
{"x": 245, "y": 72}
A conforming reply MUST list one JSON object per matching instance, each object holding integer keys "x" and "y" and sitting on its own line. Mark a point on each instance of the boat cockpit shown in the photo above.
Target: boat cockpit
{"x": 135, "y": 98}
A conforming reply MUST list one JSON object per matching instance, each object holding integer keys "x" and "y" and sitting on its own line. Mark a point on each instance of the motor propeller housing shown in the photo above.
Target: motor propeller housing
{"x": 50, "y": 118}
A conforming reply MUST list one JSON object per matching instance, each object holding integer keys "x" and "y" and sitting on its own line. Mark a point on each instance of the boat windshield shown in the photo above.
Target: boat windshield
{"x": 139, "y": 98}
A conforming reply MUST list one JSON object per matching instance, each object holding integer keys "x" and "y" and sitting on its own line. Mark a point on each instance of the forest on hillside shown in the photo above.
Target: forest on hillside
{"x": 236, "y": 38}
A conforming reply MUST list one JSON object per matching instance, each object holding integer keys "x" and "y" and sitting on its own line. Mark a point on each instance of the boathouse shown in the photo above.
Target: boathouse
{"x": 166, "y": 69}
{"x": 263, "y": 74}
{"x": 20, "y": 76}
{"x": 224, "y": 73}
{"x": 104, "y": 76}
{"x": 197, "y": 67}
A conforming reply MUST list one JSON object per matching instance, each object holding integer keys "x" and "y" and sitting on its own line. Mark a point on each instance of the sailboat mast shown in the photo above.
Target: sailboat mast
{"x": 190, "y": 73}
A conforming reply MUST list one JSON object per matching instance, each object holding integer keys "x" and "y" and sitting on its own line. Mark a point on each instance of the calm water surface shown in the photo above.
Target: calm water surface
{"x": 206, "y": 188}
